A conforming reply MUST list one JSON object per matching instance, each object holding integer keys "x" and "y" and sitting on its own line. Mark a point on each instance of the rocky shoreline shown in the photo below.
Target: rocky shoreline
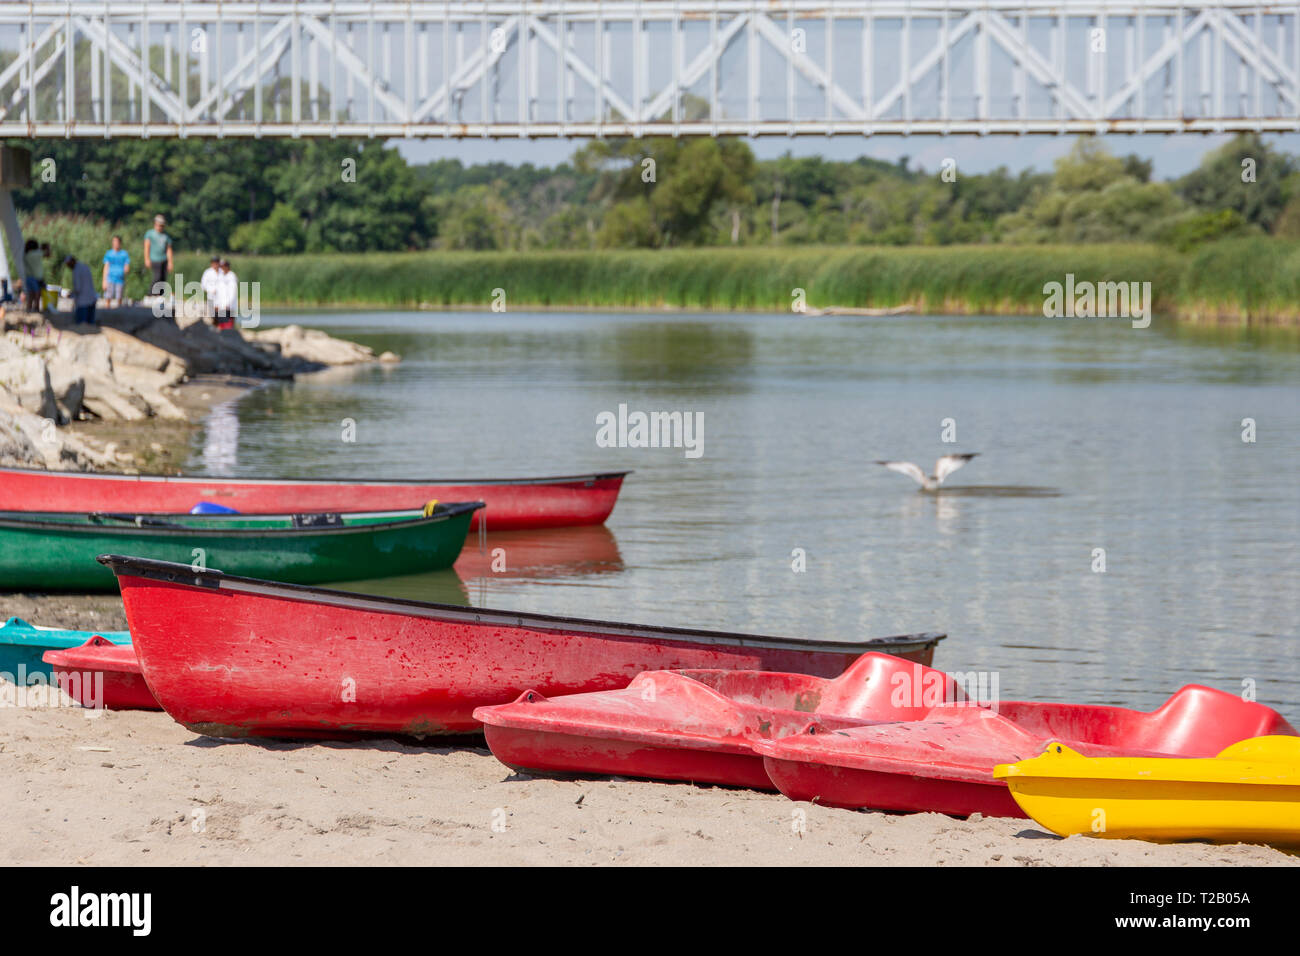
{"x": 125, "y": 394}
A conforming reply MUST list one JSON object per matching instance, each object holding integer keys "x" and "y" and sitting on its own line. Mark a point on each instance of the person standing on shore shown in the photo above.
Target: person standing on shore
{"x": 227, "y": 301}
{"x": 33, "y": 274}
{"x": 83, "y": 290}
{"x": 209, "y": 282}
{"x": 49, "y": 297}
{"x": 158, "y": 255}
{"x": 117, "y": 265}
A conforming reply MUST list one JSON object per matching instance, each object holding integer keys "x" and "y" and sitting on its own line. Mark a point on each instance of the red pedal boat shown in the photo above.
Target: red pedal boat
{"x": 512, "y": 503}
{"x": 229, "y": 656}
{"x": 943, "y": 762}
{"x": 887, "y": 733}
{"x": 695, "y": 725}
{"x": 100, "y": 673}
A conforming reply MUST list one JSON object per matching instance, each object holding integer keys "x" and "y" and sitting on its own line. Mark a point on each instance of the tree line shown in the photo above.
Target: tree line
{"x": 291, "y": 196}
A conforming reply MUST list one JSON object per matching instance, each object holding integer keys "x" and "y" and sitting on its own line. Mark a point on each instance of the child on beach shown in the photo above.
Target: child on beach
{"x": 117, "y": 265}
{"x": 49, "y": 296}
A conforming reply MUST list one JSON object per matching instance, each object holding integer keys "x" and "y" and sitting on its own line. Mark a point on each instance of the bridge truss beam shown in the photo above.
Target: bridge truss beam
{"x": 529, "y": 68}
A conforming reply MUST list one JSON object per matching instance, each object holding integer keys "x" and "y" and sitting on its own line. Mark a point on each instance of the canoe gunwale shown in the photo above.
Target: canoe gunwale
{"x": 38, "y": 636}
{"x": 185, "y": 575}
{"x": 13, "y": 520}
{"x": 255, "y": 480}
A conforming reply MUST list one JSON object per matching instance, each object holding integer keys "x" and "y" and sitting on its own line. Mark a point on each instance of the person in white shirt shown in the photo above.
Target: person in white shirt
{"x": 208, "y": 282}
{"x": 227, "y": 301}
{"x": 83, "y": 290}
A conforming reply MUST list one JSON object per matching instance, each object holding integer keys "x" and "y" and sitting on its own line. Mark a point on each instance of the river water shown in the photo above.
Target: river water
{"x": 1091, "y": 435}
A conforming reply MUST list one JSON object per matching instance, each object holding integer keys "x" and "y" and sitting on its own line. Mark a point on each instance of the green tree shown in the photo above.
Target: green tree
{"x": 354, "y": 197}
{"x": 683, "y": 181}
{"x": 628, "y": 224}
{"x": 1244, "y": 175}
{"x": 1093, "y": 196}
{"x": 280, "y": 233}
{"x": 475, "y": 218}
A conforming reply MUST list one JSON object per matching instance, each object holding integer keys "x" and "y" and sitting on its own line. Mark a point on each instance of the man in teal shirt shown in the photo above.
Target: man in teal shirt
{"x": 158, "y": 254}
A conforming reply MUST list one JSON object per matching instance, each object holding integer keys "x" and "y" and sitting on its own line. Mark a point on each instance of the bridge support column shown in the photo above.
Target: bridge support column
{"x": 15, "y": 173}
{"x": 11, "y": 239}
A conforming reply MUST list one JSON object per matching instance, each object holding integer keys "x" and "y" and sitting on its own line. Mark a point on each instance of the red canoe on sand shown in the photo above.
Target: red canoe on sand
{"x": 695, "y": 725}
{"x": 229, "y": 656}
{"x": 512, "y": 503}
{"x": 100, "y": 673}
{"x": 944, "y": 761}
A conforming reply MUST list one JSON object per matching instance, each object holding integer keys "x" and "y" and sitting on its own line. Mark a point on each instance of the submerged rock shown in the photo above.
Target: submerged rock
{"x": 313, "y": 345}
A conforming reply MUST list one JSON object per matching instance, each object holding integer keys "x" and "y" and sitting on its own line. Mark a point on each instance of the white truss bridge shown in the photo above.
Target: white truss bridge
{"x": 533, "y": 68}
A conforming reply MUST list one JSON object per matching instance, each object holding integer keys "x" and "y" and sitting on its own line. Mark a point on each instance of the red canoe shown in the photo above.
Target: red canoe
{"x": 944, "y": 761}
{"x": 695, "y": 725}
{"x": 100, "y": 673}
{"x": 229, "y": 656}
{"x": 512, "y": 503}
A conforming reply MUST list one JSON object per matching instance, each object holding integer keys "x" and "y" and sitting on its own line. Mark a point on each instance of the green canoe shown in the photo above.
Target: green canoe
{"x": 56, "y": 551}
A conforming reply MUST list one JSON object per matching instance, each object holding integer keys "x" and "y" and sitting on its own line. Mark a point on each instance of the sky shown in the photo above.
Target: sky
{"x": 1172, "y": 155}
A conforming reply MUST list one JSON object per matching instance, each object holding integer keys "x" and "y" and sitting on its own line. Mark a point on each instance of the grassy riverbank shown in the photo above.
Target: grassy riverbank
{"x": 1243, "y": 280}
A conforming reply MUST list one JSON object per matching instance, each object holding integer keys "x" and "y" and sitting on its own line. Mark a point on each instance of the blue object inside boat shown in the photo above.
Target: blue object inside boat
{"x": 212, "y": 508}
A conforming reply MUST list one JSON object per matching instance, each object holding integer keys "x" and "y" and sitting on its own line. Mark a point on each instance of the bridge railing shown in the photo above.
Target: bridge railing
{"x": 657, "y": 67}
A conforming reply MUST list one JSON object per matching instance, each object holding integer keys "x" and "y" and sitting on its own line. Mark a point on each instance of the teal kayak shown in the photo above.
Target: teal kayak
{"x": 24, "y": 644}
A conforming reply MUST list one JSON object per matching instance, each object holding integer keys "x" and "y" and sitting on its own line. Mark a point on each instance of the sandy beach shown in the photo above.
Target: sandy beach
{"x": 137, "y": 788}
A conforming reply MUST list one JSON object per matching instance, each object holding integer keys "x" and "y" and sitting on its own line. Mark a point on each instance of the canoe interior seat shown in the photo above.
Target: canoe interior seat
{"x": 328, "y": 520}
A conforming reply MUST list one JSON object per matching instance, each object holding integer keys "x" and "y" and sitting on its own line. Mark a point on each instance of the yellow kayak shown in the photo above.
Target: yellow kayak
{"x": 1249, "y": 793}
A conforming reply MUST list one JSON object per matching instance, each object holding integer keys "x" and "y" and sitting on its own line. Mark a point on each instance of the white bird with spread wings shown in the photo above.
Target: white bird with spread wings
{"x": 944, "y": 467}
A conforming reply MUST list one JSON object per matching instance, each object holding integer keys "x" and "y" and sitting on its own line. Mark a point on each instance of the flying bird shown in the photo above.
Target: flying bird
{"x": 944, "y": 467}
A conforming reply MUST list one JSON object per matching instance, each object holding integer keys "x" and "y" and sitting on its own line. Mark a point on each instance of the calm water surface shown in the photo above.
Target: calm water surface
{"x": 1091, "y": 435}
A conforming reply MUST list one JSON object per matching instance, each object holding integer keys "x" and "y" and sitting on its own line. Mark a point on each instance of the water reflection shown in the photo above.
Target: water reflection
{"x": 537, "y": 555}
{"x": 440, "y": 587}
{"x": 548, "y": 555}
{"x": 661, "y": 353}
{"x": 995, "y": 491}
{"x": 221, "y": 439}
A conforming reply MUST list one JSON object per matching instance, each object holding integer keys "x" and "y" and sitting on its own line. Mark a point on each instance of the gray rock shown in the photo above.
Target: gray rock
{"x": 26, "y": 379}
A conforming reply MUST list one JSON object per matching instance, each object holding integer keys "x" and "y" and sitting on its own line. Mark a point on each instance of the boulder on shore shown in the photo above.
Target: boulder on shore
{"x": 124, "y": 369}
{"x": 28, "y": 440}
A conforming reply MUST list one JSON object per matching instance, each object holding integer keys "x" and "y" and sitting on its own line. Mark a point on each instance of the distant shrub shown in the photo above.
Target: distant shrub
{"x": 1188, "y": 231}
